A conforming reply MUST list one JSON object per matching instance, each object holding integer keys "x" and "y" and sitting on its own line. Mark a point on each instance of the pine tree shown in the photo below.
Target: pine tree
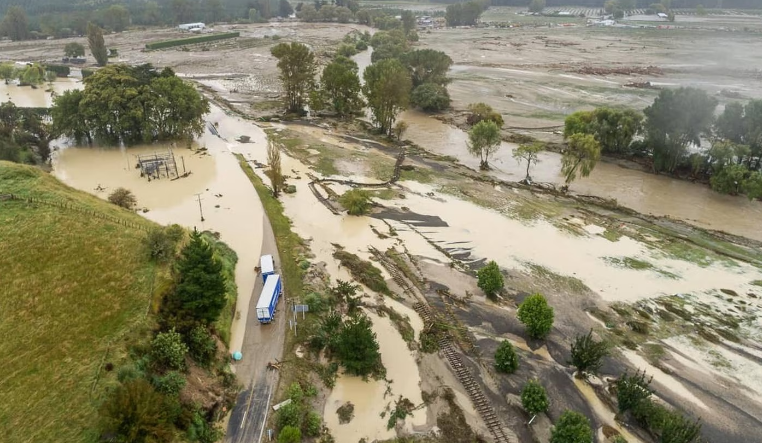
{"x": 200, "y": 291}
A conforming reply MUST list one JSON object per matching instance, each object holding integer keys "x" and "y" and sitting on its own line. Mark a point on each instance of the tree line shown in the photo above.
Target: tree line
{"x": 397, "y": 77}
{"x": 130, "y": 104}
{"x": 671, "y": 132}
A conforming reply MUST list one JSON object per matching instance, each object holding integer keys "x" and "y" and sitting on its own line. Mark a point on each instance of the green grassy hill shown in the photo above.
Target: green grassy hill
{"x": 75, "y": 285}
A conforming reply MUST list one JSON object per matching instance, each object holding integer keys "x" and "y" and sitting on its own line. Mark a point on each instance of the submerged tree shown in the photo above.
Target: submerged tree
{"x": 356, "y": 201}
{"x": 131, "y": 104}
{"x": 274, "y": 172}
{"x": 528, "y": 152}
{"x": 387, "y": 89}
{"x": 297, "y": 73}
{"x": 580, "y": 156}
{"x": 483, "y": 141}
{"x": 340, "y": 86}
{"x": 97, "y": 44}
{"x": 676, "y": 119}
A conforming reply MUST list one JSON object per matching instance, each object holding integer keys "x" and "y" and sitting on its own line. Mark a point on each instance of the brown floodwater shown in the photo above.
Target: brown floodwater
{"x": 641, "y": 191}
{"x": 229, "y": 203}
{"x": 39, "y": 97}
{"x": 638, "y": 190}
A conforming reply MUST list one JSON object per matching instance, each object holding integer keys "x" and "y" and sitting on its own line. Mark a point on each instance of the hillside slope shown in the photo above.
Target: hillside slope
{"x": 75, "y": 281}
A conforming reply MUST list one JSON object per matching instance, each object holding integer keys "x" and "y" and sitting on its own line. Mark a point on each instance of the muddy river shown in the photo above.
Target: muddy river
{"x": 643, "y": 192}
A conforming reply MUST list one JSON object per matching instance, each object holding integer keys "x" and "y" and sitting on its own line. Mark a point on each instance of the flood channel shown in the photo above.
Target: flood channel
{"x": 643, "y": 192}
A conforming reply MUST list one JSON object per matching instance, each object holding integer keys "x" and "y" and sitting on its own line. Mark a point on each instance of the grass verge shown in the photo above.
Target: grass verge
{"x": 288, "y": 243}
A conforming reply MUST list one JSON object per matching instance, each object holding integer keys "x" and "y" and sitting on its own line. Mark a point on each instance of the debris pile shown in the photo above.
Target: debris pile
{"x": 620, "y": 70}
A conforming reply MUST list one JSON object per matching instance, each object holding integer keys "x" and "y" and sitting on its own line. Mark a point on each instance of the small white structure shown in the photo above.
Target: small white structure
{"x": 662, "y": 15}
{"x": 191, "y": 26}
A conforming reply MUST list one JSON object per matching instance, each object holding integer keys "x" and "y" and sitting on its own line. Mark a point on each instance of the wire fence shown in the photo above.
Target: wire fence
{"x": 69, "y": 206}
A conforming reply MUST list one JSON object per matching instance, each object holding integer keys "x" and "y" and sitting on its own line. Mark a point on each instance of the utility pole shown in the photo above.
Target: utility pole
{"x": 200, "y": 210}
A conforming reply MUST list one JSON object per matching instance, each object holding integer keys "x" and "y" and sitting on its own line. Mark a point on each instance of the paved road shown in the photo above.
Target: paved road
{"x": 261, "y": 344}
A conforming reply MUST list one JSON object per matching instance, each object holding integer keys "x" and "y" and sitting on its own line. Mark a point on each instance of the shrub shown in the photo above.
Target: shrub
{"x": 136, "y": 409}
{"x": 201, "y": 431}
{"x": 191, "y": 40}
{"x": 123, "y": 197}
{"x": 295, "y": 392}
{"x": 290, "y": 434}
{"x": 483, "y": 111}
{"x": 201, "y": 345}
{"x": 536, "y": 315}
{"x": 490, "y": 279}
{"x": 346, "y": 412}
{"x": 289, "y": 415}
{"x": 429, "y": 343}
{"x": 161, "y": 243}
{"x": 168, "y": 350}
{"x": 356, "y": 202}
{"x": 361, "y": 45}
{"x": 313, "y": 424}
{"x": 587, "y": 354}
{"x": 533, "y": 398}
{"x": 506, "y": 360}
{"x": 316, "y": 302}
{"x": 87, "y": 73}
{"x": 631, "y": 390}
{"x": 572, "y": 427}
{"x": 60, "y": 70}
{"x": 346, "y": 50}
{"x": 170, "y": 383}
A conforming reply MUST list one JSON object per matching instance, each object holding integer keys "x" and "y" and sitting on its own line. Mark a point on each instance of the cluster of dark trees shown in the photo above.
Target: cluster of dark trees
{"x": 130, "y": 104}
{"x": 397, "y": 77}
{"x": 146, "y": 405}
{"x": 678, "y": 122}
{"x": 24, "y": 135}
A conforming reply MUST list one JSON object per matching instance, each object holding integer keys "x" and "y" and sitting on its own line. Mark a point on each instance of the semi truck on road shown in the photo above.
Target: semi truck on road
{"x": 269, "y": 298}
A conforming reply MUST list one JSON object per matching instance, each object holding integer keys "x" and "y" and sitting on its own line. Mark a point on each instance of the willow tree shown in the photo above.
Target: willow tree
{"x": 297, "y": 73}
{"x": 580, "y": 157}
{"x": 387, "y": 89}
